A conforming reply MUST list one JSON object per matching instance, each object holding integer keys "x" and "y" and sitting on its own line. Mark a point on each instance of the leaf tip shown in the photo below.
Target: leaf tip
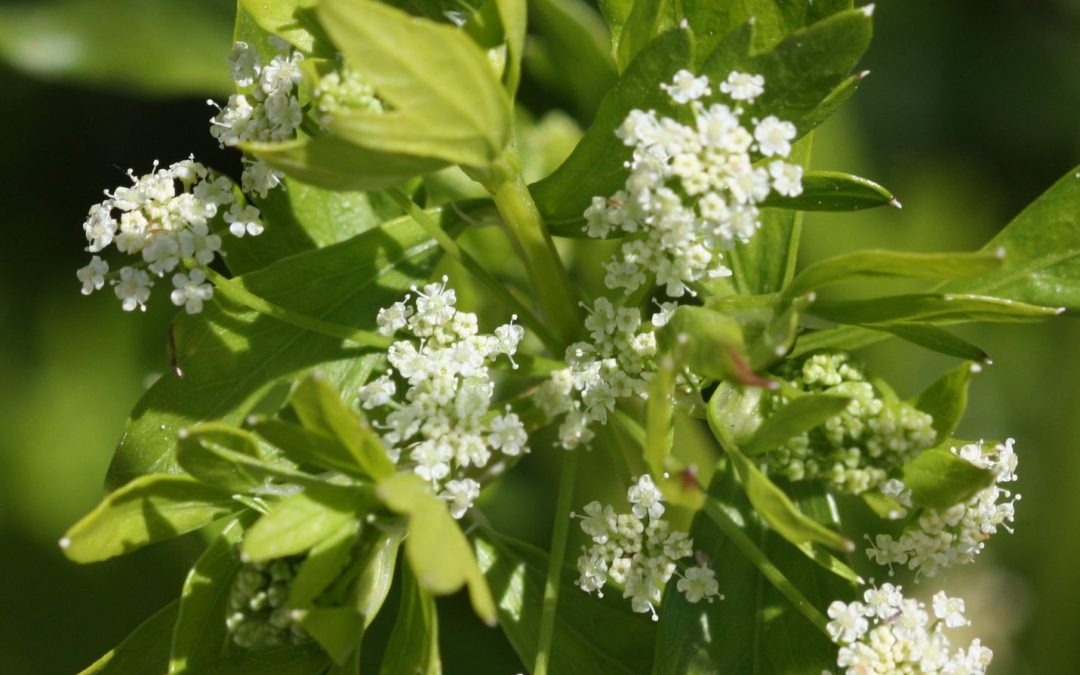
{"x": 868, "y": 10}
{"x": 65, "y": 542}
{"x": 862, "y": 74}
{"x": 183, "y": 433}
{"x": 1000, "y": 252}
{"x": 895, "y": 203}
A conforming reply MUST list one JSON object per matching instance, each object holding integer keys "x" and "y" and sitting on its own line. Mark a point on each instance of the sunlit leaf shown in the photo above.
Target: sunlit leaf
{"x": 797, "y": 417}
{"x": 833, "y": 191}
{"x": 946, "y": 399}
{"x": 303, "y": 520}
{"x": 938, "y": 478}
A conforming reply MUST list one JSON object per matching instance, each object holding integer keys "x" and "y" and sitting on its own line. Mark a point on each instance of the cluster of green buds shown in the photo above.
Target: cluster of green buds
{"x": 858, "y": 449}
{"x": 258, "y": 617}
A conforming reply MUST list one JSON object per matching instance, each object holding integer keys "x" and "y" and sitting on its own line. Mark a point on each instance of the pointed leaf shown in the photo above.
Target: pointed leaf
{"x": 414, "y": 642}
{"x": 145, "y": 650}
{"x": 148, "y": 509}
{"x": 935, "y": 339}
{"x": 323, "y": 565}
{"x": 195, "y": 454}
{"x": 293, "y": 21}
{"x": 338, "y": 630}
{"x": 833, "y": 191}
{"x": 938, "y": 479}
{"x": 946, "y": 399}
{"x": 799, "y": 416}
{"x": 437, "y": 551}
{"x": 928, "y": 307}
{"x": 444, "y": 100}
{"x": 302, "y": 521}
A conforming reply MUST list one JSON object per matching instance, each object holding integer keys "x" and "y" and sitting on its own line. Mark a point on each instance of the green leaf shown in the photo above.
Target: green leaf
{"x": 591, "y": 634}
{"x": 567, "y": 53}
{"x": 200, "y": 638}
{"x": 769, "y": 500}
{"x": 293, "y": 21}
{"x": 306, "y": 447}
{"x": 195, "y": 454}
{"x": 414, "y": 642}
{"x": 615, "y": 13}
{"x": 1042, "y": 252}
{"x": 148, "y": 47}
{"x": 376, "y": 561}
{"x": 236, "y": 362}
{"x": 872, "y": 264}
{"x": 929, "y": 307}
{"x": 145, "y": 650}
{"x": 638, "y": 30}
{"x": 833, "y": 191}
{"x": 148, "y": 509}
{"x": 877, "y": 264}
{"x": 938, "y": 479}
{"x": 444, "y": 99}
{"x": 437, "y": 551}
{"x": 338, "y": 630}
{"x": 321, "y": 410}
{"x": 946, "y": 399}
{"x": 302, "y": 659}
{"x": 711, "y": 21}
{"x": 302, "y": 521}
{"x": 336, "y": 164}
{"x": 709, "y": 343}
{"x": 324, "y": 563}
{"x": 596, "y": 166}
{"x": 799, "y": 416}
{"x": 754, "y": 628}
{"x": 935, "y": 339}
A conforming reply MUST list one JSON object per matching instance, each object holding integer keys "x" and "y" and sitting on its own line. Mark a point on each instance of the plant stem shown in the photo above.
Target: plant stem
{"x": 235, "y": 291}
{"x": 459, "y": 254}
{"x": 555, "y": 563}
{"x": 764, "y": 565}
{"x": 550, "y": 282}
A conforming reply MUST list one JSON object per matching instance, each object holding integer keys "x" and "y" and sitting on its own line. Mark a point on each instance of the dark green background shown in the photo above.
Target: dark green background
{"x": 972, "y": 109}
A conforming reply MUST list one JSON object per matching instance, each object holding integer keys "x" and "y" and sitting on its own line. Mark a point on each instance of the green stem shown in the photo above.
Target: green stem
{"x": 530, "y": 237}
{"x": 236, "y": 292}
{"x": 460, "y": 255}
{"x": 555, "y": 563}
{"x": 764, "y": 565}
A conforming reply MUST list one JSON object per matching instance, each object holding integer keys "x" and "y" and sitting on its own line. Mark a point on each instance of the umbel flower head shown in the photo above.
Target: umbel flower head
{"x": 163, "y": 219}
{"x": 258, "y": 617}
{"x": 443, "y": 427}
{"x": 639, "y": 552}
{"x": 954, "y": 536}
{"x": 693, "y": 190}
{"x": 888, "y": 633}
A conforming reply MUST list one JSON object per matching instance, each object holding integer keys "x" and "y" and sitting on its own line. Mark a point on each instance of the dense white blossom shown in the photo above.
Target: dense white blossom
{"x": 938, "y": 539}
{"x": 163, "y": 219}
{"x": 639, "y": 552}
{"x": 858, "y": 449}
{"x": 693, "y": 190}
{"x": 266, "y": 109}
{"x": 888, "y": 633}
{"x": 440, "y": 424}
{"x": 615, "y": 364}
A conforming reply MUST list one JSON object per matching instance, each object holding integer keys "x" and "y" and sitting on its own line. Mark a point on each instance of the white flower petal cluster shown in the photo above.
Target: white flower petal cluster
{"x": 693, "y": 191}
{"x": 888, "y": 633}
{"x": 615, "y": 364}
{"x": 266, "y": 109}
{"x": 954, "y": 536}
{"x": 442, "y": 426}
{"x": 163, "y": 218}
{"x": 638, "y": 552}
{"x": 344, "y": 90}
{"x": 858, "y": 449}
{"x": 258, "y": 616}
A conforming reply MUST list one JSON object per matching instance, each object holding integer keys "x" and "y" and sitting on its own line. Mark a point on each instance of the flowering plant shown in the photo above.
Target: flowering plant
{"x": 330, "y": 404}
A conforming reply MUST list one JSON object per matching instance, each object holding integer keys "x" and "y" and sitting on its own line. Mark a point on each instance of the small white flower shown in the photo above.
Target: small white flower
{"x": 93, "y": 275}
{"x": 508, "y": 434}
{"x": 378, "y": 392}
{"x": 950, "y": 610}
{"x": 787, "y": 178}
{"x": 685, "y": 87}
{"x": 460, "y": 494}
{"x": 698, "y": 583}
{"x": 244, "y": 220}
{"x": 774, "y": 136}
{"x": 646, "y": 498}
{"x": 133, "y": 289}
{"x": 191, "y": 291}
{"x": 848, "y": 621}
{"x": 743, "y": 86}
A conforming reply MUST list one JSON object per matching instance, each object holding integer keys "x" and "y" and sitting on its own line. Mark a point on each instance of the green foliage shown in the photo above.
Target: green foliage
{"x": 148, "y": 509}
{"x": 414, "y": 643}
{"x": 834, "y": 191}
{"x": 946, "y": 400}
{"x": 938, "y": 478}
{"x": 145, "y": 650}
{"x": 300, "y": 522}
{"x": 293, "y": 21}
{"x": 799, "y": 416}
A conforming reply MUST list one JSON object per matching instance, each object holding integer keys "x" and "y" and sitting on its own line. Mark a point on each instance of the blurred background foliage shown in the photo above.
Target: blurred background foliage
{"x": 972, "y": 110}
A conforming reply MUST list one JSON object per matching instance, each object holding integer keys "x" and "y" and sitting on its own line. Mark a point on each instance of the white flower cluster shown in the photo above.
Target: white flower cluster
{"x": 442, "y": 426}
{"x": 693, "y": 191}
{"x": 267, "y": 108}
{"x": 888, "y": 633}
{"x": 615, "y": 364}
{"x": 856, "y": 450}
{"x": 344, "y": 90}
{"x": 954, "y": 536}
{"x": 638, "y": 551}
{"x": 168, "y": 228}
{"x": 258, "y": 617}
